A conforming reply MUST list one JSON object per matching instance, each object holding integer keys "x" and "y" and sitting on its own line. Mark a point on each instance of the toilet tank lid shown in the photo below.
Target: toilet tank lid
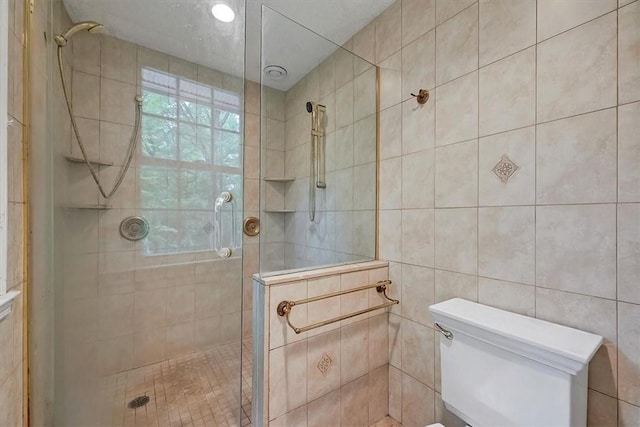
{"x": 535, "y": 334}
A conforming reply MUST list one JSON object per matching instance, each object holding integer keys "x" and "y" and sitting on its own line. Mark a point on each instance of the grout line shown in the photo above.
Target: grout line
{"x": 513, "y": 282}
{"x": 535, "y": 178}
{"x": 454, "y": 15}
{"x": 478, "y": 162}
{"x": 435, "y": 163}
{"x": 523, "y": 205}
{"x": 617, "y": 373}
{"x": 615, "y": 9}
{"x": 532, "y": 124}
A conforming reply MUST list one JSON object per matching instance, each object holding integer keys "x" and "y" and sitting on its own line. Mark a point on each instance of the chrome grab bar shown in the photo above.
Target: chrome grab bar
{"x": 223, "y": 252}
{"x": 285, "y": 307}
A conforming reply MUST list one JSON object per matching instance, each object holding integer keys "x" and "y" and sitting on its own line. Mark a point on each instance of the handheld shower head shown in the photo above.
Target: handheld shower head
{"x": 312, "y": 106}
{"x": 90, "y": 26}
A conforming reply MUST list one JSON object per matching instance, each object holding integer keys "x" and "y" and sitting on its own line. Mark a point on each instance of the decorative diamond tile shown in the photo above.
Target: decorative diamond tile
{"x": 324, "y": 363}
{"x": 505, "y": 168}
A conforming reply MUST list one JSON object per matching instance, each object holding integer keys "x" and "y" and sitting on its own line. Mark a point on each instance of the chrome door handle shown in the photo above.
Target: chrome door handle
{"x": 223, "y": 252}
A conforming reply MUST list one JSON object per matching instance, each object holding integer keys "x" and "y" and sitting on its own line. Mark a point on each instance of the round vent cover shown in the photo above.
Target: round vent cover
{"x": 275, "y": 72}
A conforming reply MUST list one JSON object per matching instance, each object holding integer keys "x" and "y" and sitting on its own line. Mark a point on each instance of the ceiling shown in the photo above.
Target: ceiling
{"x": 186, "y": 29}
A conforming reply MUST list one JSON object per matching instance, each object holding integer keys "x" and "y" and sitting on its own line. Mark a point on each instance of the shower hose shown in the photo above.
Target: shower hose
{"x": 132, "y": 144}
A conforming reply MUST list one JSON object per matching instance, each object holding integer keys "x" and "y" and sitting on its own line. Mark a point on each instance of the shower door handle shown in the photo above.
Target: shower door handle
{"x": 223, "y": 252}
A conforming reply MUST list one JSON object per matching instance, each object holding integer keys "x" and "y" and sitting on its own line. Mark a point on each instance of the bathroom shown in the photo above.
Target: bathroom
{"x": 427, "y": 151}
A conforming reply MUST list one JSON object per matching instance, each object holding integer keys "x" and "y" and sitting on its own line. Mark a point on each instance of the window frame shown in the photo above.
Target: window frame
{"x": 6, "y": 298}
{"x": 4, "y": 142}
{"x": 177, "y": 163}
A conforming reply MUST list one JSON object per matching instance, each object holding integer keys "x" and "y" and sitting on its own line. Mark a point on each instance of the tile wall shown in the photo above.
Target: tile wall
{"x": 171, "y": 292}
{"x": 250, "y": 245}
{"x": 43, "y": 99}
{"x": 82, "y": 345}
{"x": 11, "y": 354}
{"x": 120, "y": 309}
{"x": 272, "y": 154}
{"x": 343, "y": 229}
{"x": 140, "y": 309}
{"x": 516, "y": 185}
{"x": 334, "y": 375}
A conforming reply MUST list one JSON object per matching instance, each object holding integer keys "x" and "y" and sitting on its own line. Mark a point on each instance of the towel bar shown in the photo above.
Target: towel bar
{"x": 285, "y": 307}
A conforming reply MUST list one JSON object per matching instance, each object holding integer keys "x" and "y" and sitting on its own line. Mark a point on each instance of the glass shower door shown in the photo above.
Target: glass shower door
{"x": 147, "y": 299}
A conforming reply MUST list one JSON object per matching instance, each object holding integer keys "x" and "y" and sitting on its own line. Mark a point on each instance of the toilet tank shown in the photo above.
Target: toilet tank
{"x": 505, "y": 369}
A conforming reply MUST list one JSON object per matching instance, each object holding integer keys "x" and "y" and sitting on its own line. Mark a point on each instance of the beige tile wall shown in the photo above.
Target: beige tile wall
{"x": 345, "y": 211}
{"x": 11, "y": 353}
{"x": 555, "y": 86}
{"x": 272, "y": 154}
{"x": 136, "y": 309}
{"x": 84, "y": 318}
{"x": 41, "y": 221}
{"x": 119, "y": 309}
{"x": 292, "y": 390}
{"x": 250, "y": 245}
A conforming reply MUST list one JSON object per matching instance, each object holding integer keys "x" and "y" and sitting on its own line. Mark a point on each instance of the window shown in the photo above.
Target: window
{"x": 191, "y": 152}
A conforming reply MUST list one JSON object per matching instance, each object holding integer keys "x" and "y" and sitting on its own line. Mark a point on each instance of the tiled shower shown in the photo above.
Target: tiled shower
{"x": 343, "y": 226}
{"x": 158, "y": 304}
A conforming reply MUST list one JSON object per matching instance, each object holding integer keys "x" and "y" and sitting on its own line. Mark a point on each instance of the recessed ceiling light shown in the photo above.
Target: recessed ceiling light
{"x": 223, "y": 13}
{"x": 275, "y": 72}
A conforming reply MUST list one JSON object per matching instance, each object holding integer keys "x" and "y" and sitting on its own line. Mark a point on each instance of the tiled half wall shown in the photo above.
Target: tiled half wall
{"x": 335, "y": 375}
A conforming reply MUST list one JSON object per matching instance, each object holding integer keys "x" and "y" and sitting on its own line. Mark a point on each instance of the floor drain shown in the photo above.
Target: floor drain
{"x": 138, "y": 402}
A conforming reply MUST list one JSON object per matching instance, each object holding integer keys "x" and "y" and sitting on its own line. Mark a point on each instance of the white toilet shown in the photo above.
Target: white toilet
{"x": 503, "y": 369}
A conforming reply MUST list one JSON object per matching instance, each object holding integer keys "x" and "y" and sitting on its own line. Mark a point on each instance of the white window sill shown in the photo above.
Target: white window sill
{"x": 6, "y": 301}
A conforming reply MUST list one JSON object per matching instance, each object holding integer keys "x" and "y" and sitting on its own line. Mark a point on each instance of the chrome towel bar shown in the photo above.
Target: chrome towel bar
{"x": 285, "y": 307}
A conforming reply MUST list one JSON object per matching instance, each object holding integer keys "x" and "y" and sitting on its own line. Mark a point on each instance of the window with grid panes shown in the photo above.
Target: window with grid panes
{"x": 191, "y": 151}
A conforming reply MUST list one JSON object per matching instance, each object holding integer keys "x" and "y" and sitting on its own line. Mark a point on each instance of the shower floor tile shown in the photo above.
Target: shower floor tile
{"x": 387, "y": 422}
{"x": 200, "y": 389}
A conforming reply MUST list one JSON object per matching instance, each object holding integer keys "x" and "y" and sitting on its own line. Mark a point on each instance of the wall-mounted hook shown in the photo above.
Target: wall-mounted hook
{"x": 422, "y": 96}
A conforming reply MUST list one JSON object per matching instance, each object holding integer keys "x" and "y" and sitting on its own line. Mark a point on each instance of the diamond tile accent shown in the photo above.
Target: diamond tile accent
{"x": 325, "y": 363}
{"x": 505, "y": 168}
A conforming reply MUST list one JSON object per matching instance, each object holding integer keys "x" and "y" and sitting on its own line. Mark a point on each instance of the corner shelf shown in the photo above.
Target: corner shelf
{"x": 73, "y": 159}
{"x": 89, "y": 207}
{"x": 279, "y": 179}
{"x": 279, "y": 211}
{"x": 6, "y": 301}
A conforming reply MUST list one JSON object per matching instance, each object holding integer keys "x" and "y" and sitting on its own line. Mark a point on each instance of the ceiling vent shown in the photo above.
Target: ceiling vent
{"x": 275, "y": 72}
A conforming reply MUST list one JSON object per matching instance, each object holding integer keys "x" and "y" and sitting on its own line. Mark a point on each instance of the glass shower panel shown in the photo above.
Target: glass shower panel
{"x": 148, "y": 282}
{"x": 318, "y": 150}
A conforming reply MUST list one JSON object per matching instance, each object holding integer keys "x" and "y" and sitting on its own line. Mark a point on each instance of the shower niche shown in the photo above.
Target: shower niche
{"x": 318, "y": 150}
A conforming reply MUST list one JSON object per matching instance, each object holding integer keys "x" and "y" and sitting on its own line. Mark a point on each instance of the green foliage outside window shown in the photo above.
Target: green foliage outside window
{"x": 191, "y": 152}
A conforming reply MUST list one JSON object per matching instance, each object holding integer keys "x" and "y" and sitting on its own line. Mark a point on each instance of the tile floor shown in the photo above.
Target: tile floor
{"x": 387, "y": 422}
{"x": 198, "y": 390}
{"x": 201, "y": 389}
